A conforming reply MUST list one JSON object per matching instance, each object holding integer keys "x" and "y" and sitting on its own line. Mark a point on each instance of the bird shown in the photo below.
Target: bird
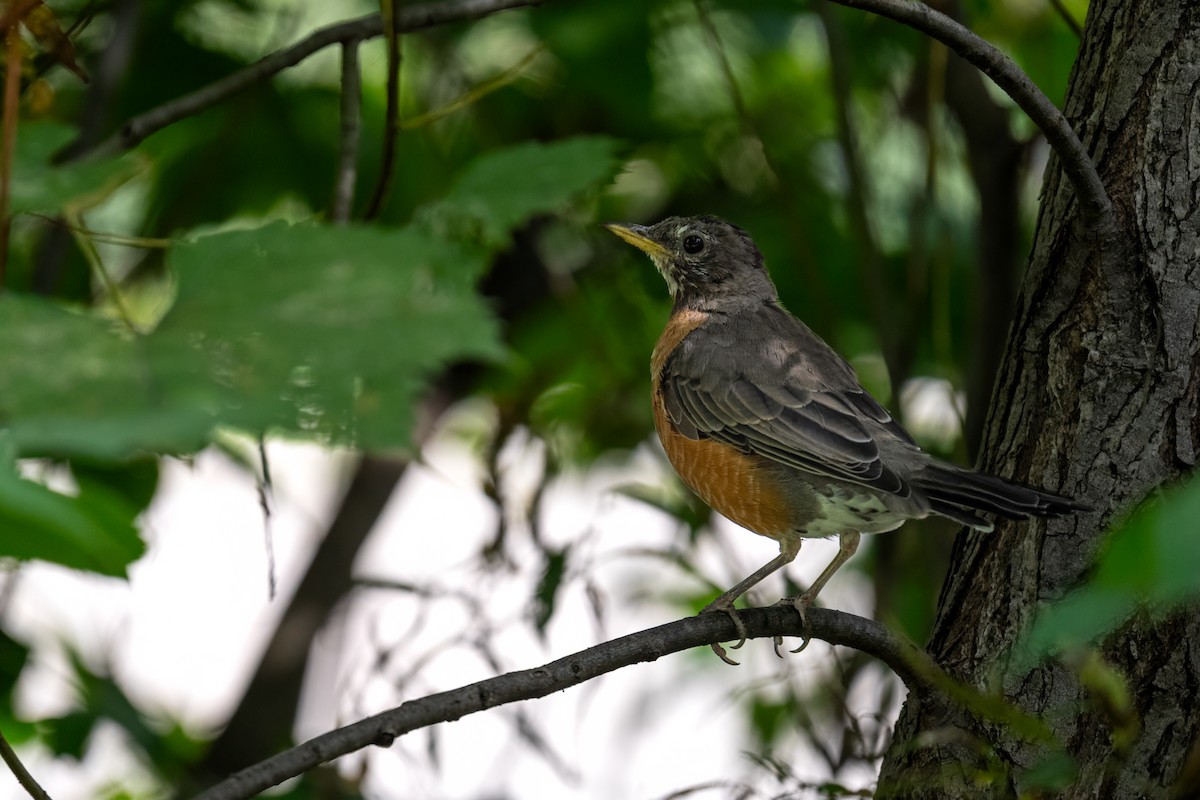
{"x": 770, "y": 427}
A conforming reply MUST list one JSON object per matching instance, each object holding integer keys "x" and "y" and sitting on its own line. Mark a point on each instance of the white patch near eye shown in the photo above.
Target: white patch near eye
{"x": 679, "y": 231}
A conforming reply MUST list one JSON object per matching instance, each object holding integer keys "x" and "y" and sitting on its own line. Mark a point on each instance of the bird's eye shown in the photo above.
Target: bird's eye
{"x": 693, "y": 244}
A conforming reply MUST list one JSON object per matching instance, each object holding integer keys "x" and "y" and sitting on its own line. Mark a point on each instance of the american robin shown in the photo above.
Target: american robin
{"x": 771, "y": 428}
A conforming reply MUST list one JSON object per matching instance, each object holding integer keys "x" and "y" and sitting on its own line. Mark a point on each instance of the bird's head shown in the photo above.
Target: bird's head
{"x": 704, "y": 260}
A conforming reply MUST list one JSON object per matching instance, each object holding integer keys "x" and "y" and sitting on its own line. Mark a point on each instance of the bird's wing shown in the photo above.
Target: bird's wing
{"x": 767, "y": 385}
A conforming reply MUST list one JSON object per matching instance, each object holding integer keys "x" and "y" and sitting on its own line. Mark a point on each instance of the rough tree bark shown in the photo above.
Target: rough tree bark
{"x": 1097, "y": 395}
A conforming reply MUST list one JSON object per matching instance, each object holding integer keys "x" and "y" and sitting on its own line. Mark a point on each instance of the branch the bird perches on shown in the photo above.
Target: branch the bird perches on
{"x": 908, "y": 661}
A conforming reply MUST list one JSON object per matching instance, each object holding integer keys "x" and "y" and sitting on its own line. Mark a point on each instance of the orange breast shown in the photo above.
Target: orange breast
{"x": 734, "y": 484}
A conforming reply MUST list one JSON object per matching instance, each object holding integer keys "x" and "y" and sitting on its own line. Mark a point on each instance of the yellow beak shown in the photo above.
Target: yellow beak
{"x": 636, "y": 236}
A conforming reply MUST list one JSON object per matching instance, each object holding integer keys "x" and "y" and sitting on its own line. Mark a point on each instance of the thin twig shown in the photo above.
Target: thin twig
{"x": 1096, "y": 205}
{"x": 18, "y": 769}
{"x": 412, "y": 18}
{"x": 1075, "y": 27}
{"x": 474, "y": 95}
{"x": 266, "y": 499}
{"x": 146, "y": 243}
{"x": 347, "y": 171}
{"x": 12, "y": 88}
{"x": 880, "y": 297}
{"x": 718, "y": 46}
{"x": 836, "y": 627}
{"x": 92, "y": 256}
{"x": 391, "y": 123}
{"x": 82, "y": 18}
{"x": 749, "y": 128}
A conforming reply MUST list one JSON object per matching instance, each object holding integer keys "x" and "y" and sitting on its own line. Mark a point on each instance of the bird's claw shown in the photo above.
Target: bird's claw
{"x": 726, "y": 607}
{"x": 721, "y": 654}
{"x": 801, "y": 605}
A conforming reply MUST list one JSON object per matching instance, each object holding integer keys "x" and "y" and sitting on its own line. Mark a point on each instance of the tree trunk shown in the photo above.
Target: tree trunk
{"x": 1097, "y": 396}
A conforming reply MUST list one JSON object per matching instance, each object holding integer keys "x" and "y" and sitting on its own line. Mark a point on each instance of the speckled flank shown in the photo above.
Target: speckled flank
{"x": 734, "y": 484}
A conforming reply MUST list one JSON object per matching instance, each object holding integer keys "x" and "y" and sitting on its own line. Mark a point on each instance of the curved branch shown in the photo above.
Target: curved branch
{"x": 1016, "y": 84}
{"x": 27, "y": 781}
{"x": 913, "y": 666}
{"x": 1063, "y": 12}
{"x": 412, "y": 18}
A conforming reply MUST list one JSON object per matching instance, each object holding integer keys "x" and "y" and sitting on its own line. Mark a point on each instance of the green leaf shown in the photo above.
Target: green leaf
{"x": 545, "y": 597}
{"x": 38, "y": 185}
{"x": 93, "y": 531}
{"x": 101, "y": 698}
{"x": 133, "y": 481}
{"x": 17, "y": 731}
{"x": 1054, "y": 773}
{"x": 327, "y": 332}
{"x": 13, "y": 657}
{"x": 70, "y": 384}
{"x": 1074, "y": 621}
{"x": 1155, "y": 552}
{"x": 67, "y": 735}
{"x": 500, "y": 190}
{"x": 769, "y": 719}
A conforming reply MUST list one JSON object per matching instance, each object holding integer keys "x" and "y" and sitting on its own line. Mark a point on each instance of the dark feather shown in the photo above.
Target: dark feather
{"x": 947, "y": 485}
{"x": 811, "y": 417}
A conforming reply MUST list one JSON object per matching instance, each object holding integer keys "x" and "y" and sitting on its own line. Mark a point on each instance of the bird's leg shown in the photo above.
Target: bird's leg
{"x": 724, "y": 603}
{"x": 848, "y": 545}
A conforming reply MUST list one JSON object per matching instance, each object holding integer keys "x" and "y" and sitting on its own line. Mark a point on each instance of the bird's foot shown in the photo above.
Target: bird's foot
{"x": 801, "y": 604}
{"x": 721, "y": 605}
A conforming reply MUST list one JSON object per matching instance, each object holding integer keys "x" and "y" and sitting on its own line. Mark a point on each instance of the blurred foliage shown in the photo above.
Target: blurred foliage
{"x": 496, "y": 193}
{"x": 102, "y": 700}
{"x": 93, "y": 530}
{"x": 38, "y": 187}
{"x": 262, "y": 317}
{"x": 333, "y": 341}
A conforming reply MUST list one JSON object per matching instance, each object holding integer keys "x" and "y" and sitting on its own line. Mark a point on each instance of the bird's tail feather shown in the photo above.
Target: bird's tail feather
{"x": 958, "y": 493}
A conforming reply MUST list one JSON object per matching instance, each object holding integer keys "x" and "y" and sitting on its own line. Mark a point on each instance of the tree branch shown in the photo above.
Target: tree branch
{"x": 1077, "y": 164}
{"x": 1075, "y": 27}
{"x": 391, "y": 122}
{"x": 351, "y": 101}
{"x": 412, "y": 18}
{"x": 912, "y": 665}
{"x": 22, "y": 775}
